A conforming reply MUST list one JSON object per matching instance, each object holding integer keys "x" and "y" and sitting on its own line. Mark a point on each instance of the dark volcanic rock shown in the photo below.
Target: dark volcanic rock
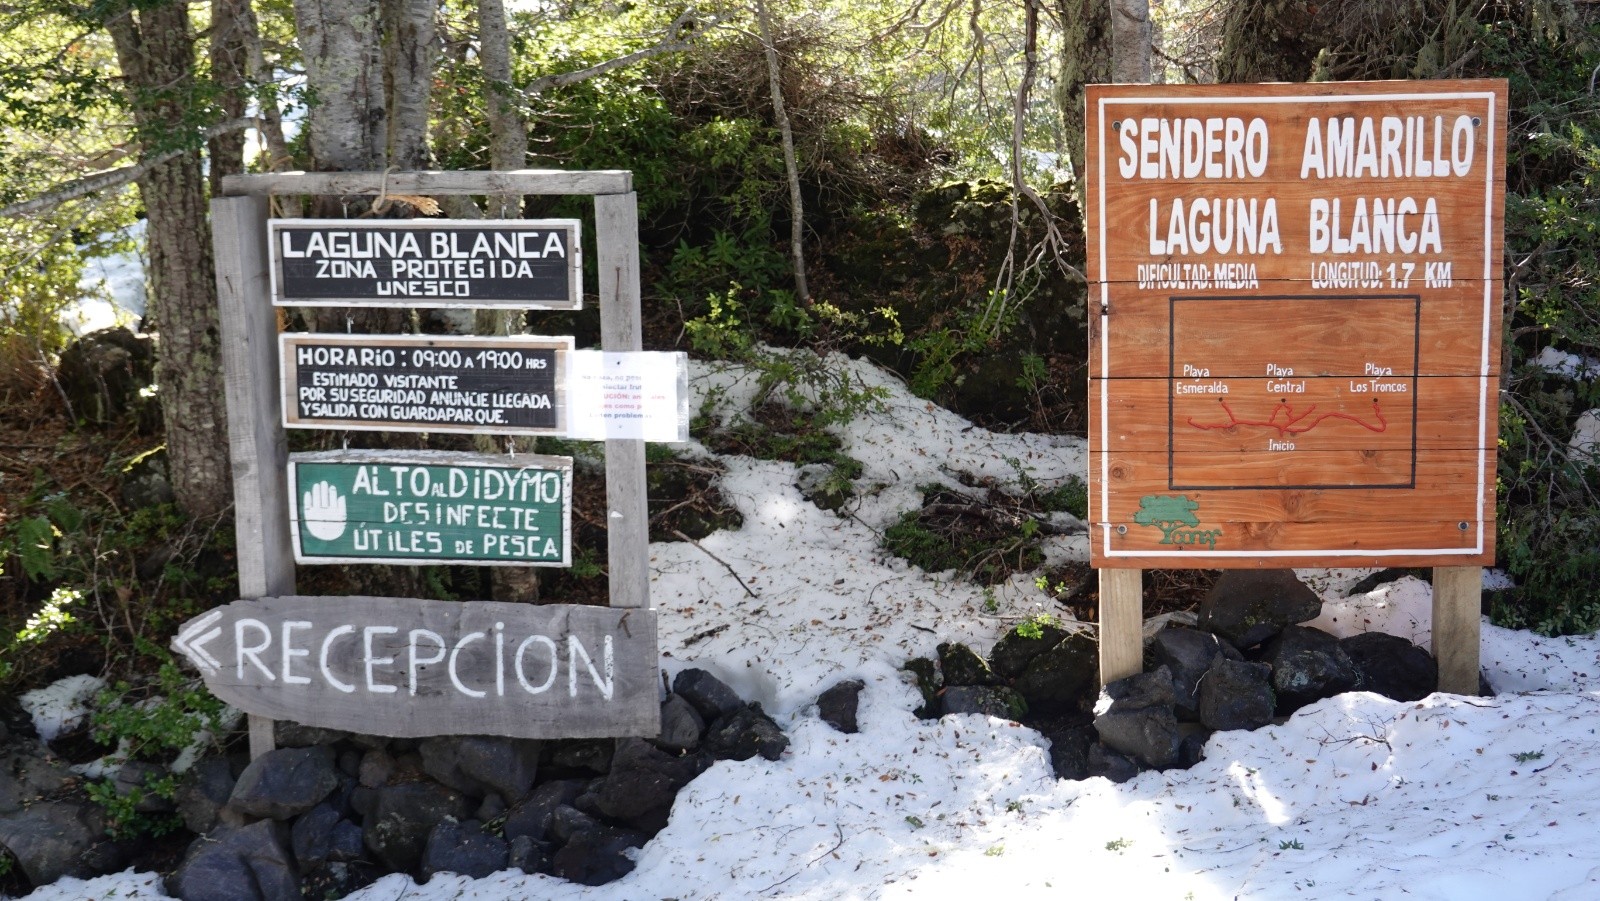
{"x": 1236, "y": 694}
{"x": 1140, "y": 722}
{"x": 404, "y": 815}
{"x": 838, "y": 705}
{"x": 1248, "y": 607}
{"x": 743, "y": 734}
{"x": 592, "y": 754}
{"x": 103, "y": 372}
{"x": 249, "y": 863}
{"x": 477, "y": 764}
{"x": 528, "y": 855}
{"x": 1062, "y": 679}
{"x": 1391, "y": 666}
{"x": 929, "y": 681}
{"x": 202, "y": 794}
{"x": 1307, "y": 665}
{"x": 1069, "y": 747}
{"x": 531, "y": 815}
{"x": 709, "y": 695}
{"x": 1010, "y": 656}
{"x": 136, "y": 777}
{"x": 284, "y": 783}
{"x": 464, "y": 848}
{"x": 596, "y": 856}
{"x": 1105, "y": 762}
{"x": 51, "y": 839}
{"x": 990, "y": 700}
{"x": 643, "y": 783}
{"x": 681, "y": 725}
{"x": 961, "y": 665}
{"x": 28, "y": 772}
{"x": 322, "y": 834}
{"x": 1187, "y": 653}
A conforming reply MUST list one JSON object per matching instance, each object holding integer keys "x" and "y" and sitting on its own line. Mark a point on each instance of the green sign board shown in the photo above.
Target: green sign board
{"x": 422, "y": 507}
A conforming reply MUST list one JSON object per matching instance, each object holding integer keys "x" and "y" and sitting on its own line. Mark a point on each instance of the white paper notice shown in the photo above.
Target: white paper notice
{"x": 641, "y": 395}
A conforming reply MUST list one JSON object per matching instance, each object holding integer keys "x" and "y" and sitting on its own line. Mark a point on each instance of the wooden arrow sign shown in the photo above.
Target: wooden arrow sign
{"x": 412, "y": 668}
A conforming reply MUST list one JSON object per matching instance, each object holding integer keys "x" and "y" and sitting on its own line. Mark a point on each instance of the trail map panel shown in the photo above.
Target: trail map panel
{"x": 1295, "y": 296}
{"x": 519, "y": 263}
{"x": 412, "y": 383}
{"x": 424, "y": 507}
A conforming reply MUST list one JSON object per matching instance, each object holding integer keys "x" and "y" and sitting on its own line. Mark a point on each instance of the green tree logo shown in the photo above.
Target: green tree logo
{"x": 1167, "y": 512}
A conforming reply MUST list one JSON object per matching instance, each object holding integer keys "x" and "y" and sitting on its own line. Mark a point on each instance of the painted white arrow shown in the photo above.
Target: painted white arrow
{"x": 189, "y": 642}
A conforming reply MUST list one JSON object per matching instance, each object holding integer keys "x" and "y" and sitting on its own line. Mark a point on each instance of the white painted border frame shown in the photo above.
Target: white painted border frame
{"x": 562, "y": 344}
{"x": 540, "y": 462}
{"x": 1490, "y": 120}
{"x": 574, "y": 229}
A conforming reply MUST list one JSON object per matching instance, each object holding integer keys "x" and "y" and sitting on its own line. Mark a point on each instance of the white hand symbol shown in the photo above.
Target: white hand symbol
{"x": 323, "y": 512}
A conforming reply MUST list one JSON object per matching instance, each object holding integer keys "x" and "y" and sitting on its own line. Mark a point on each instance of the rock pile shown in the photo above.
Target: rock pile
{"x": 329, "y": 812}
{"x": 1249, "y": 661}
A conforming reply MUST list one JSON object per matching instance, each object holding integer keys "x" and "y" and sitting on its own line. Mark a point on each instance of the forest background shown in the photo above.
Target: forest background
{"x": 882, "y": 179}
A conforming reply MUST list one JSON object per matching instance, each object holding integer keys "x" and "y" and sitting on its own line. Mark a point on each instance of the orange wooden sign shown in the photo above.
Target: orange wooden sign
{"x": 1294, "y": 306}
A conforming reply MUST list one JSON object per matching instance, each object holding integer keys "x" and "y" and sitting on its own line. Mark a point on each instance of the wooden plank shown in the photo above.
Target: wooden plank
{"x": 521, "y": 264}
{"x": 257, "y": 447}
{"x": 1313, "y": 412}
{"x": 410, "y": 668}
{"x": 1457, "y": 601}
{"x": 412, "y": 383}
{"x": 431, "y": 507}
{"x": 524, "y": 181}
{"x": 1312, "y": 333}
{"x": 1121, "y": 623}
{"x": 250, "y": 363}
{"x": 627, "y": 516}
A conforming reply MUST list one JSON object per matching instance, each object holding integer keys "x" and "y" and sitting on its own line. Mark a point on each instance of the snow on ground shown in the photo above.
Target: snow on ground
{"x": 1357, "y": 796}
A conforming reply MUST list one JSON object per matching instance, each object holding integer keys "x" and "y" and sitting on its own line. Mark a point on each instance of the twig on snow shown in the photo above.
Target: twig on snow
{"x": 683, "y": 537}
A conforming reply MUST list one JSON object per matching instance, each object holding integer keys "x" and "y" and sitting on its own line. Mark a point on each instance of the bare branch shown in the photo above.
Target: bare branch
{"x": 110, "y": 178}
{"x": 672, "y": 43}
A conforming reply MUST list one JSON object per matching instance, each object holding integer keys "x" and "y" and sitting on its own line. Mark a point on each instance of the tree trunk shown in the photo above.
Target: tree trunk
{"x": 409, "y": 51}
{"x": 508, "y": 138}
{"x": 339, "y": 40}
{"x": 230, "y": 65}
{"x": 1085, "y": 60}
{"x": 797, "y": 217}
{"x": 156, "y": 55}
{"x": 1131, "y": 34}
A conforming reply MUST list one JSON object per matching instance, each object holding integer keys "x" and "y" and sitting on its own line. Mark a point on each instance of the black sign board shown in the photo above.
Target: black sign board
{"x": 523, "y": 263}
{"x": 415, "y": 383}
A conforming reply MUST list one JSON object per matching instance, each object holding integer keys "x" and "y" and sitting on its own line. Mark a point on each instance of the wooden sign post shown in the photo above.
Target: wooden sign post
{"x": 518, "y": 515}
{"x": 1294, "y": 334}
{"x": 412, "y": 668}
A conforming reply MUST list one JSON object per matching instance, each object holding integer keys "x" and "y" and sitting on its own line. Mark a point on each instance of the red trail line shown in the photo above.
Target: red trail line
{"x": 1292, "y": 424}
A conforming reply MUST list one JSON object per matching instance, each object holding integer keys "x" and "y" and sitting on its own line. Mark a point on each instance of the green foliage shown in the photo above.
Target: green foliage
{"x": 1291, "y": 845}
{"x": 1528, "y": 756}
{"x": 124, "y": 820}
{"x": 1033, "y": 627}
{"x": 1549, "y": 499}
{"x": 980, "y": 550}
{"x": 172, "y": 712}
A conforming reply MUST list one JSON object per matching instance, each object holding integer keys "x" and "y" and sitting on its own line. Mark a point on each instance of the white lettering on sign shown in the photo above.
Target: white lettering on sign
{"x": 1190, "y": 148}
{"x": 254, "y": 639}
{"x": 1388, "y": 147}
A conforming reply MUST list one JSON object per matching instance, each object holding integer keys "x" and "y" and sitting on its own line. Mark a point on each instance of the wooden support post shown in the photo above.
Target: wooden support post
{"x": 1457, "y": 602}
{"x": 255, "y": 434}
{"x": 627, "y": 513}
{"x": 1121, "y": 623}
